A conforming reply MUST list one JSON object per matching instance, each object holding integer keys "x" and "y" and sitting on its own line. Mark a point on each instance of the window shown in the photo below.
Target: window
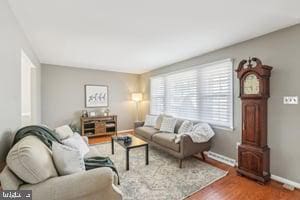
{"x": 157, "y": 95}
{"x": 199, "y": 93}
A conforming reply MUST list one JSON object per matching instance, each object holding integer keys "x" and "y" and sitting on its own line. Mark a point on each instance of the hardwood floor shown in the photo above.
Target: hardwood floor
{"x": 234, "y": 187}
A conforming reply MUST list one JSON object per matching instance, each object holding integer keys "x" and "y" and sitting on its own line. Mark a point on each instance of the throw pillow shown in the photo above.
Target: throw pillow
{"x": 168, "y": 124}
{"x": 77, "y": 142}
{"x": 64, "y": 132}
{"x": 204, "y": 130}
{"x": 150, "y": 120}
{"x": 201, "y": 132}
{"x": 186, "y": 126}
{"x": 66, "y": 159}
{"x": 159, "y": 120}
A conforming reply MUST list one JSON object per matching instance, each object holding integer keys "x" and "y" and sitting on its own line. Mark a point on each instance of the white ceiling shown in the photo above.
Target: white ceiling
{"x": 136, "y": 36}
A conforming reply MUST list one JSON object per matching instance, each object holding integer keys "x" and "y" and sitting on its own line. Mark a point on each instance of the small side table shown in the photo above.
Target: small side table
{"x": 135, "y": 143}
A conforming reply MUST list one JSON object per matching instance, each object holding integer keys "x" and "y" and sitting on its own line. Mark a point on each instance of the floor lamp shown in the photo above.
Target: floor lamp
{"x": 137, "y": 97}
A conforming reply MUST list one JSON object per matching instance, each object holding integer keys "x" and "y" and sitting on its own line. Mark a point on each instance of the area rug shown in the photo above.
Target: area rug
{"x": 162, "y": 179}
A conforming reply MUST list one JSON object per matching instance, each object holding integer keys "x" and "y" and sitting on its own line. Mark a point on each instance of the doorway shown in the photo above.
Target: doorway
{"x": 28, "y": 90}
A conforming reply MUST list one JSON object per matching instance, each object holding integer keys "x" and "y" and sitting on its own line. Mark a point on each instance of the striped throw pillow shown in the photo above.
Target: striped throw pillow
{"x": 168, "y": 125}
{"x": 150, "y": 120}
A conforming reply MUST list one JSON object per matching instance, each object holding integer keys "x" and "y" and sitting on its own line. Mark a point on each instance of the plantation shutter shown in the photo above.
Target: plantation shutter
{"x": 201, "y": 93}
{"x": 215, "y": 94}
{"x": 181, "y": 95}
{"x": 157, "y": 102}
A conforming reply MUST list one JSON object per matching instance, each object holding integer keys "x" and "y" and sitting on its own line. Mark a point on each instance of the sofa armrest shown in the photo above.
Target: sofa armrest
{"x": 93, "y": 184}
{"x": 9, "y": 181}
{"x": 188, "y": 147}
{"x": 138, "y": 124}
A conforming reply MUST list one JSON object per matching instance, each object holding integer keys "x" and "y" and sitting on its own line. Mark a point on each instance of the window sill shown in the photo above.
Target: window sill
{"x": 223, "y": 128}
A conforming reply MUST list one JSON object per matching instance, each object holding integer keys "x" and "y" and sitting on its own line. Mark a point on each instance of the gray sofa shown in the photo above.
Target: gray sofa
{"x": 37, "y": 164}
{"x": 166, "y": 141}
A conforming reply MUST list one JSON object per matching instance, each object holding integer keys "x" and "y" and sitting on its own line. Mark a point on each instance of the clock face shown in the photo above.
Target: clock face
{"x": 251, "y": 84}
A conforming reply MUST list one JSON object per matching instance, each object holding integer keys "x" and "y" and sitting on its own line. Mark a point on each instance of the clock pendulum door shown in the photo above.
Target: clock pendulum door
{"x": 254, "y": 153}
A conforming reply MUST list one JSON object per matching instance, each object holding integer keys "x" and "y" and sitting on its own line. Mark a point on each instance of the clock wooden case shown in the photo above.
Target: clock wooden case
{"x": 254, "y": 153}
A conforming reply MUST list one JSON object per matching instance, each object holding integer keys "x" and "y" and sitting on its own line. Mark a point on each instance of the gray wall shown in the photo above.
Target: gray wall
{"x": 63, "y": 94}
{"x": 281, "y": 50}
{"x": 12, "y": 40}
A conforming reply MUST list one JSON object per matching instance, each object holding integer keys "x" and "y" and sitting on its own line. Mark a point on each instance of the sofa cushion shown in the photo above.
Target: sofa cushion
{"x": 31, "y": 160}
{"x": 146, "y": 132}
{"x": 9, "y": 181}
{"x": 166, "y": 140}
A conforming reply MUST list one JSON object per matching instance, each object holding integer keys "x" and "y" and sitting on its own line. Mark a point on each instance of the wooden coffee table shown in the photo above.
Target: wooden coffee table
{"x": 135, "y": 143}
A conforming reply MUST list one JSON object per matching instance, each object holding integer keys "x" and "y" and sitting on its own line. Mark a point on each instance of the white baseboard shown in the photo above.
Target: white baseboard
{"x": 285, "y": 181}
{"x": 223, "y": 159}
{"x": 126, "y": 131}
{"x": 233, "y": 163}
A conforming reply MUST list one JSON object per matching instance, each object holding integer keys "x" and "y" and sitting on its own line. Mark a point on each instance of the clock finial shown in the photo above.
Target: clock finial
{"x": 249, "y": 62}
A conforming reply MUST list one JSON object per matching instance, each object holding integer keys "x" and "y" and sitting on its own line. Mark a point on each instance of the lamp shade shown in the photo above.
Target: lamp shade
{"x": 137, "y": 96}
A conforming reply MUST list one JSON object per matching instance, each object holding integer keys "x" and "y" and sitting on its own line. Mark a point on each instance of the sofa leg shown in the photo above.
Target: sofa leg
{"x": 180, "y": 163}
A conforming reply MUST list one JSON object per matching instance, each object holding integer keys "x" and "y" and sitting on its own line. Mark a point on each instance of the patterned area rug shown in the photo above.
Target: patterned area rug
{"x": 162, "y": 179}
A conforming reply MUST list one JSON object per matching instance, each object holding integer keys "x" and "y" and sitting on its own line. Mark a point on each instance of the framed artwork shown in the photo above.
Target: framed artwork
{"x": 96, "y": 96}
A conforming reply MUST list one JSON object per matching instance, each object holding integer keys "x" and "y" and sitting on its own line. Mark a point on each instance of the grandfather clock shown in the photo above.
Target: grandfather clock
{"x": 254, "y": 153}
